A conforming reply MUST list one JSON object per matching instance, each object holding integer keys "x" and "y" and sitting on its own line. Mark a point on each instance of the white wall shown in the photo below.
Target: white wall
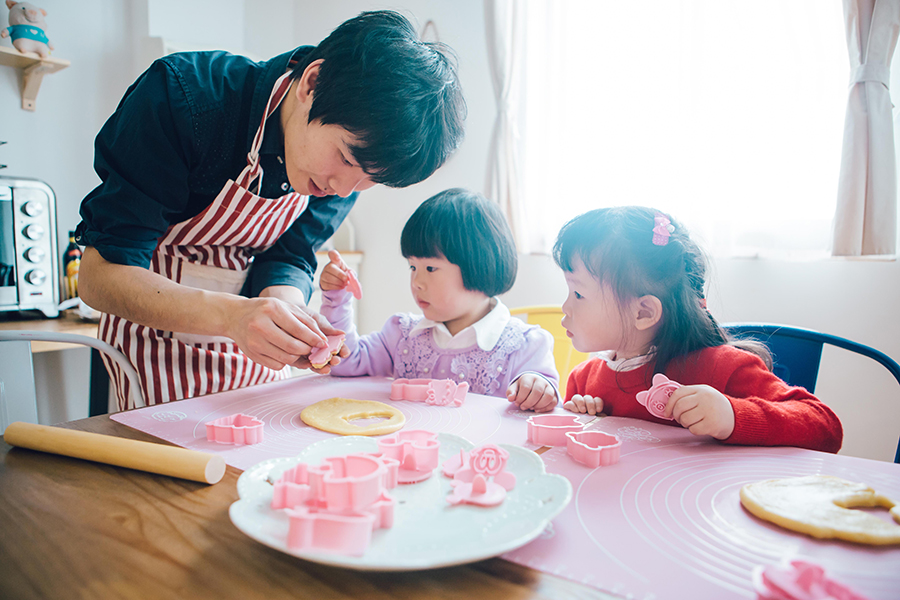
{"x": 103, "y": 39}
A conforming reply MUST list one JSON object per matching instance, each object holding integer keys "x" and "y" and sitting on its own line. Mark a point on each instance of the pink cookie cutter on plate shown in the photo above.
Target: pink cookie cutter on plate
{"x": 322, "y": 356}
{"x": 551, "y": 430}
{"x": 353, "y": 284}
{"x": 347, "y": 532}
{"x": 484, "y": 481}
{"x": 657, "y": 397}
{"x": 416, "y": 450}
{"x": 334, "y": 506}
{"x": 437, "y": 392}
{"x": 593, "y": 448}
{"x": 350, "y": 482}
{"x": 239, "y": 429}
{"x": 799, "y": 580}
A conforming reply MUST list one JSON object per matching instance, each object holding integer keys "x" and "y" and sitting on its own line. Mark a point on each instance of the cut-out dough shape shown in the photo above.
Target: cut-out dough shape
{"x": 334, "y": 415}
{"x": 822, "y": 506}
{"x": 320, "y": 357}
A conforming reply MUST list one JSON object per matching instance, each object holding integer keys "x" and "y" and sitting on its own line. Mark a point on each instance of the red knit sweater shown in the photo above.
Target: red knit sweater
{"x": 767, "y": 412}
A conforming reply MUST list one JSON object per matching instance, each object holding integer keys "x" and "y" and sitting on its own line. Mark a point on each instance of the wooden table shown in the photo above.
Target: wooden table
{"x": 68, "y": 322}
{"x": 76, "y": 529}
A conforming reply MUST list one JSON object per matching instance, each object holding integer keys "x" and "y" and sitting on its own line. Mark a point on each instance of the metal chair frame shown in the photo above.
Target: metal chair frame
{"x": 797, "y": 352}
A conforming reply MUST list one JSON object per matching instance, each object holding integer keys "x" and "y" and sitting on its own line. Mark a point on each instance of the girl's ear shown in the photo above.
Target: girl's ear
{"x": 647, "y": 312}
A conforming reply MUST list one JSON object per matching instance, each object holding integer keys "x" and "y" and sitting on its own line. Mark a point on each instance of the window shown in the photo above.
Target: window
{"x": 728, "y": 115}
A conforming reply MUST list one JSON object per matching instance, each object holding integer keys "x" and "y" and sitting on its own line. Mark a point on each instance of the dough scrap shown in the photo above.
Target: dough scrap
{"x": 335, "y": 415}
{"x": 821, "y": 506}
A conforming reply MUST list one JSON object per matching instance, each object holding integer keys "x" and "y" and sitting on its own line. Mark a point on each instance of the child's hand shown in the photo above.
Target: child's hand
{"x": 532, "y": 392}
{"x": 334, "y": 275}
{"x": 702, "y": 410}
{"x": 584, "y": 404}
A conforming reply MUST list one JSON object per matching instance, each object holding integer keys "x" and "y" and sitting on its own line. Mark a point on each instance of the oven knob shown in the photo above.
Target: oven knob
{"x": 34, "y": 255}
{"x": 35, "y": 277}
{"x": 32, "y": 208}
{"x": 33, "y": 232}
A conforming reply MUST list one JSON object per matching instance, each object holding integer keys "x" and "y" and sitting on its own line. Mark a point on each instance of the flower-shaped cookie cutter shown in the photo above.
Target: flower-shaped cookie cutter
{"x": 799, "y": 580}
{"x": 341, "y": 483}
{"x": 416, "y": 451}
{"x": 551, "y": 430}
{"x": 320, "y": 357}
{"x": 593, "y": 448}
{"x": 239, "y": 429}
{"x": 485, "y": 480}
{"x": 438, "y": 392}
{"x": 347, "y": 532}
{"x": 657, "y": 397}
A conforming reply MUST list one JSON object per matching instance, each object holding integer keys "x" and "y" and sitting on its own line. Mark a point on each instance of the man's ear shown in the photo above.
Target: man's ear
{"x": 647, "y": 312}
{"x": 307, "y": 83}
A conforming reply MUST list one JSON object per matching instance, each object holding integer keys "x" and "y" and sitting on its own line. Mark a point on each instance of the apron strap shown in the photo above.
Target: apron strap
{"x": 253, "y": 171}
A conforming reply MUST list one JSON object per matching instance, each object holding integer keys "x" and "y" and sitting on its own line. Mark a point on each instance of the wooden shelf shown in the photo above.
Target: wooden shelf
{"x": 33, "y": 69}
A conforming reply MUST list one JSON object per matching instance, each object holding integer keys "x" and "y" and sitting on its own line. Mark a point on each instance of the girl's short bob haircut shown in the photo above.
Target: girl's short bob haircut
{"x": 471, "y": 232}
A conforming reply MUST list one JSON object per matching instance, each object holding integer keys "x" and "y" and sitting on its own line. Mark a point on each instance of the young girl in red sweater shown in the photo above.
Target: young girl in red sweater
{"x": 636, "y": 283}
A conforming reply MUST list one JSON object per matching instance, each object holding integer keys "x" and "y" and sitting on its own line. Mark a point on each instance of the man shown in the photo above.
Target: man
{"x": 220, "y": 179}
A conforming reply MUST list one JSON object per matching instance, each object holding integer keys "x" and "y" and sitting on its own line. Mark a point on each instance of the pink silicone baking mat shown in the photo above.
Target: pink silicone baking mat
{"x": 666, "y": 520}
{"x": 278, "y": 405}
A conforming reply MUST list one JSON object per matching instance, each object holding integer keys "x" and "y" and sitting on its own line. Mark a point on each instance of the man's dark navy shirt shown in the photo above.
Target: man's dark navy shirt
{"x": 181, "y": 131}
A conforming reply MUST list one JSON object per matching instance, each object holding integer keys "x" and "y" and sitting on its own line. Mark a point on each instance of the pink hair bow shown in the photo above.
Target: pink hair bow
{"x": 662, "y": 229}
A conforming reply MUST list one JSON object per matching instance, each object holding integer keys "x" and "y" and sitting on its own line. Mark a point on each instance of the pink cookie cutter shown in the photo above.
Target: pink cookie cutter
{"x": 484, "y": 481}
{"x": 352, "y": 285}
{"x": 437, "y": 392}
{"x": 657, "y": 397}
{"x": 799, "y": 580}
{"x": 348, "y": 532}
{"x": 593, "y": 448}
{"x": 239, "y": 429}
{"x": 551, "y": 430}
{"x": 415, "y": 450}
{"x": 349, "y": 482}
{"x": 334, "y": 506}
{"x": 322, "y": 356}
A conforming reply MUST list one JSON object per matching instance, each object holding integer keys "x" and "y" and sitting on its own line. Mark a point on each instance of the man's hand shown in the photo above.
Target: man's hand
{"x": 584, "y": 404}
{"x": 532, "y": 392}
{"x": 702, "y": 410}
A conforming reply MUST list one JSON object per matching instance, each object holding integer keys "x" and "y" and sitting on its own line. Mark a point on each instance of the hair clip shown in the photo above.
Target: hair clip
{"x": 703, "y": 303}
{"x": 662, "y": 229}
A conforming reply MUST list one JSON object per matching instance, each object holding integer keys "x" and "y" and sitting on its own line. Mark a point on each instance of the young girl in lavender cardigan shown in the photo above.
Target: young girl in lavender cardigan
{"x": 461, "y": 255}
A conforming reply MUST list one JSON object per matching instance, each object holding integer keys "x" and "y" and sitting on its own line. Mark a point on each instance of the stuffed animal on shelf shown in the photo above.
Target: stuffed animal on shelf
{"x": 27, "y": 28}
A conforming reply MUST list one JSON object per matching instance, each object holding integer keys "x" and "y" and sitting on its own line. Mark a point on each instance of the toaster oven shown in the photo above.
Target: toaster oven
{"x": 29, "y": 260}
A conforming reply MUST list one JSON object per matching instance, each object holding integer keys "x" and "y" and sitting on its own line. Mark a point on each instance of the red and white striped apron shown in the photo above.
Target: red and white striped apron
{"x": 211, "y": 251}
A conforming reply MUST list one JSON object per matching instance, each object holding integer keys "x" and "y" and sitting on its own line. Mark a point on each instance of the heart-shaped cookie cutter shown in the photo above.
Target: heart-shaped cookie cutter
{"x": 593, "y": 448}
{"x": 437, "y": 392}
{"x": 551, "y": 430}
{"x": 239, "y": 429}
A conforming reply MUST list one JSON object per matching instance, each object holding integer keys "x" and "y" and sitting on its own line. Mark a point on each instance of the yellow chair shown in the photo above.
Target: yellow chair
{"x": 565, "y": 355}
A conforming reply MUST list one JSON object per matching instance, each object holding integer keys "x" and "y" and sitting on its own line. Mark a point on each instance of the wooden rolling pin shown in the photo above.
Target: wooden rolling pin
{"x": 121, "y": 452}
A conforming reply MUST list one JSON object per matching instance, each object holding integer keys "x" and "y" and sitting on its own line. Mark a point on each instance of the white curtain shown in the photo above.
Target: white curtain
{"x": 727, "y": 114}
{"x": 866, "y": 216}
{"x": 504, "y": 31}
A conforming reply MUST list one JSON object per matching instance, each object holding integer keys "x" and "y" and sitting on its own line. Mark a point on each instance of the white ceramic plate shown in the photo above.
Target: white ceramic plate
{"x": 428, "y": 532}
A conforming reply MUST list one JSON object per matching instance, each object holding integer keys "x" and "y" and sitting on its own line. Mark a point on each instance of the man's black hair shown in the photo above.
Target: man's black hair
{"x": 471, "y": 232}
{"x": 398, "y": 95}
